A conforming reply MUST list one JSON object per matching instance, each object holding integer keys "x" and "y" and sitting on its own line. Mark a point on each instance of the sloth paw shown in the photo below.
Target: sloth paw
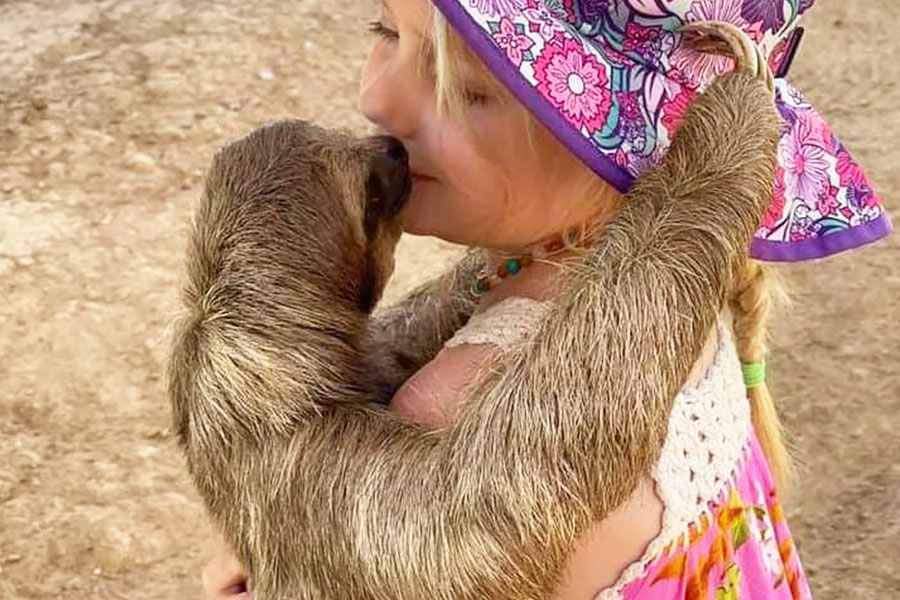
{"x": 719, "y": 37}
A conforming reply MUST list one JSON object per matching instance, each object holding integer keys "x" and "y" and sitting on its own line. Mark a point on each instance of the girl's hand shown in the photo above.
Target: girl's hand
{"x": 223, "y": 578}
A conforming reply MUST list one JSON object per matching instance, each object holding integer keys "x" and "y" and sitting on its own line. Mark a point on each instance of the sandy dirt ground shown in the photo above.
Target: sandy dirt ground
{"x": 109, "y": 113}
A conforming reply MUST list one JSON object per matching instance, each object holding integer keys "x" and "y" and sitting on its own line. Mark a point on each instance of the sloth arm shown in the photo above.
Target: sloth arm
{"x": 407, "y": 334}
{"x": 603, "y": 552}
{"x": 609, "y": 546}
{"x": 430, "y": 394}
{"x": 354, "y": 502}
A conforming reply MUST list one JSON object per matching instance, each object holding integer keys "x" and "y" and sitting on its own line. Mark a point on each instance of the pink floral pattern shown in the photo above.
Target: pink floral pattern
{"x": 697, "y": 67}
{"x": 498, "y": 8}
{"x": 775, "y": 212}
{"x": 771, "y": 15}
{"x": 674, "y": 111}
{"x": 805, "y": 167}
{"x": 613, "y": 80}
{"x": 741, "y": 548}
{"x": 819, "y": 189}
{"x": 575, "y": 82}
{"x": 511, "y": 37}
{"x": 542, "y": 21}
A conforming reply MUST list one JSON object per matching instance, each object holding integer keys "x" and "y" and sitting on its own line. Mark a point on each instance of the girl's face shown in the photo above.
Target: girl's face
{"x": 459, "y": 194}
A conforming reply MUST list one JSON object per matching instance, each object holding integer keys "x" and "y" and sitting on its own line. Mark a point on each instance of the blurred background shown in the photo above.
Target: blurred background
{"x": 109, "y": 114}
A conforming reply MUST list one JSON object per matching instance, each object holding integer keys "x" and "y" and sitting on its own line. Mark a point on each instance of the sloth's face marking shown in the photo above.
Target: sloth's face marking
{"x": 388, "y": 185}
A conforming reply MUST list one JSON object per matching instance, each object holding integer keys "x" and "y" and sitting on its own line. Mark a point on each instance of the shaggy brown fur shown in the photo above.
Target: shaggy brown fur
{"x": 256, "y": 280}
{"x": 325, "y": 498}
{"x": 411, "y": 332}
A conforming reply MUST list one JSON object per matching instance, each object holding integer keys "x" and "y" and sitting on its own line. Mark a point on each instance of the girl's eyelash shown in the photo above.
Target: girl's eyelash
{"x": 378, "y": 28}
{"x": 473, "y": 97}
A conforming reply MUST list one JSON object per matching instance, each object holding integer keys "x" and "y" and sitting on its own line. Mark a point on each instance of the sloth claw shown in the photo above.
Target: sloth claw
{"x": 719, "y": 37}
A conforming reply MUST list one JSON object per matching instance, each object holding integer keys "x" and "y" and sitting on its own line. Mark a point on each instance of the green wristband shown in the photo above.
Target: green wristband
{"x": 754, "y": 374}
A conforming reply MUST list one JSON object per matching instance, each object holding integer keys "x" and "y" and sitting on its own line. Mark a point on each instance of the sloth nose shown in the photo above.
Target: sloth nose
{"x": 390, "y": 175}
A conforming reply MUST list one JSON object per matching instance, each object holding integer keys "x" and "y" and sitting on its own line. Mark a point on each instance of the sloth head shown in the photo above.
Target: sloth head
{"x": 322, "y": 201}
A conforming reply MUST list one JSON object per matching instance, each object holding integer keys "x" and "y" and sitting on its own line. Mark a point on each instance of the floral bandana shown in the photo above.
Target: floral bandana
{"x": 611, "y": 79}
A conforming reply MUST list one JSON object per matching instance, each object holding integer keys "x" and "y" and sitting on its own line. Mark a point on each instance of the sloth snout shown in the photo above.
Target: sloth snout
{"x": 389, "y": 181}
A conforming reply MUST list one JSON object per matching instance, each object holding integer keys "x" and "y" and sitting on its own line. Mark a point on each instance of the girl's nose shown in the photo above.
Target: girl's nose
{"x": 389, "y": 97}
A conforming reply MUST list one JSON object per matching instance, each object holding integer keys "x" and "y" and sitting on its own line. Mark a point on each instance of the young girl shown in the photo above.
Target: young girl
{"x": 510, "y": 109}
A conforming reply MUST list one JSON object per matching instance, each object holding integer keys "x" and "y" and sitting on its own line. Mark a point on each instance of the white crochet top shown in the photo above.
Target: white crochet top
{"x": 708, "y": 427}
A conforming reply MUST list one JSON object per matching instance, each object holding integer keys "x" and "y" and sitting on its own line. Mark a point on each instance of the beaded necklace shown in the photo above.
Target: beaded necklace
{"x": 487, "y": 279}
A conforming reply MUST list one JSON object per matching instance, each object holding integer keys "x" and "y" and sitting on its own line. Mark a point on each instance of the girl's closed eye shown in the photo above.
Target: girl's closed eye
{"x": 474, "y": 91}
{"x": 383, "y": 31}
{"x": 474, "y": 95}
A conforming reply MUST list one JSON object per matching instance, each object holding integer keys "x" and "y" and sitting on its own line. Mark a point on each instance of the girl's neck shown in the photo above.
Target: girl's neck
{"x": 537, "y": 278}
{"x": 537, "y": 282}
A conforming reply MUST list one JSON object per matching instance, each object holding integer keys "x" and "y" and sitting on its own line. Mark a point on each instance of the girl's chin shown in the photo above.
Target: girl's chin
{"x": 412, "y": 226}
{"x": 431, "y": 212}
{"x": 419, "y": 211}
{"x": 431, "y": 227}
{"x": 417, "y": 221}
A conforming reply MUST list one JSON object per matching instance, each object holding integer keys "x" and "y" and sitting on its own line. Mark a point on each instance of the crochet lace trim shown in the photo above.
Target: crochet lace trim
{"x": 502, "y": 324}
{"x": 708, "y": 429}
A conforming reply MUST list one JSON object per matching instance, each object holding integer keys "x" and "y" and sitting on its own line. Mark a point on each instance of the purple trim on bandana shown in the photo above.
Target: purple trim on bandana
{"x": 792, "y": 45}
{"x": 821, "y": 247}
{"x": 551, "y": 118}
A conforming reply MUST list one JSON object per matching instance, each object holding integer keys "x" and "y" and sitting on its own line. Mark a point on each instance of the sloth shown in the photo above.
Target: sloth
{"x": 279, "y": 365}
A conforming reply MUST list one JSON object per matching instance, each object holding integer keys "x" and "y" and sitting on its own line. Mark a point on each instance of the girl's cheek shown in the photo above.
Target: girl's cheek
{"x": 462, "y": 160}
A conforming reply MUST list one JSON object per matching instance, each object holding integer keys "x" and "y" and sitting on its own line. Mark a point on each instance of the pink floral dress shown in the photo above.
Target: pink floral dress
{"x": 739, "y": 547}
{"x": 724, "y": 534}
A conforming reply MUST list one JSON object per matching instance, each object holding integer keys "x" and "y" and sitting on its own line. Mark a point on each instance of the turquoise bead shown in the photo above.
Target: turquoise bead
{"x": 513, "y": 266}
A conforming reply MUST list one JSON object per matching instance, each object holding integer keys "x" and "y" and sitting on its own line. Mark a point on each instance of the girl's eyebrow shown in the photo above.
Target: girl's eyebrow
{"x": 427, "y": 45}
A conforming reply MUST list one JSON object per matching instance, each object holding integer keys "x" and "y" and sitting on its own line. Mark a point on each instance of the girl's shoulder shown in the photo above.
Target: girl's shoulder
{"x": 434, "y": 393}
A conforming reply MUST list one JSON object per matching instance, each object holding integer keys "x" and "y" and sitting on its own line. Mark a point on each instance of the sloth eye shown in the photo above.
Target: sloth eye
{"x": 373, "y": 207}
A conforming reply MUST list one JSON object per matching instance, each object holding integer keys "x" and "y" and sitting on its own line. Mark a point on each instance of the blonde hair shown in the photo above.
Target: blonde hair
{"x": 757, "y": 291}
{"x": 753, "y": 298}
